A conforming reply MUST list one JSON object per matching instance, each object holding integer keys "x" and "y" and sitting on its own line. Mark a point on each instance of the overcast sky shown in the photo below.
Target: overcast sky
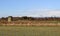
{"x": 35, "y": 8}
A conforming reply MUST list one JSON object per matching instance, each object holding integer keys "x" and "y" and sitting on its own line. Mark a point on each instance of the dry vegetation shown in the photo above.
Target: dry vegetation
{"x": 30, "y": 21}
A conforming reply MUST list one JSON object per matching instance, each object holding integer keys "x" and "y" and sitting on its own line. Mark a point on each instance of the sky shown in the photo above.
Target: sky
{"x": 34, "y": 8}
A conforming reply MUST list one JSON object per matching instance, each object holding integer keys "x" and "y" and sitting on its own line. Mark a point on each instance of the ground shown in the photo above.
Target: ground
{"x": 29, "y": 31}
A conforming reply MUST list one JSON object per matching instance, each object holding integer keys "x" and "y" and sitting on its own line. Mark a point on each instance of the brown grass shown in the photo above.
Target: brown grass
{"x": 31, "y": 23}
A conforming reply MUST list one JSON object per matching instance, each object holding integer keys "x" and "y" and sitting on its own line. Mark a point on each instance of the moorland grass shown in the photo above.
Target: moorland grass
{"x": 29, "y": 31}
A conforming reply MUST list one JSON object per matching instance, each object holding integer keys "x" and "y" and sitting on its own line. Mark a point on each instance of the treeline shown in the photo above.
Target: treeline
{"x": 31, "y": 18}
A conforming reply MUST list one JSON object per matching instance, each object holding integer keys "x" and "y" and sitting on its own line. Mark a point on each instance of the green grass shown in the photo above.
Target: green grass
{"x": 29, "y": 31}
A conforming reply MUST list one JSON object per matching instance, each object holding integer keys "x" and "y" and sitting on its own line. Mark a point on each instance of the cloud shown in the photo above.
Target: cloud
{"x": 40, "y": 13}
{"x": 54, "y": 13}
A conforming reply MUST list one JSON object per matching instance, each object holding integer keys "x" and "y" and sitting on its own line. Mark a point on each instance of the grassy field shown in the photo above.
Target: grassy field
{"x": 29, "y": 31}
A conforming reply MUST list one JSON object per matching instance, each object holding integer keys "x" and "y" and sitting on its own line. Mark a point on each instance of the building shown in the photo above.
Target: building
{"x": 10, "y": 18}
